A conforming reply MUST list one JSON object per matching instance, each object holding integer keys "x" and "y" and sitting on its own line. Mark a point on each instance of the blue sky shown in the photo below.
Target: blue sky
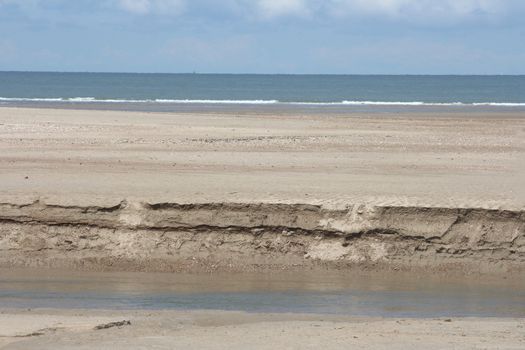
{"x": 264, "y": 36}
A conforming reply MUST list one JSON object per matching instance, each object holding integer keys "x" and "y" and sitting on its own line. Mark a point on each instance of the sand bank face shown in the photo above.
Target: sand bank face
{"x": 171, "y": 237}
{"x": 56, "y": 329}
{"x": 166, "y": 191}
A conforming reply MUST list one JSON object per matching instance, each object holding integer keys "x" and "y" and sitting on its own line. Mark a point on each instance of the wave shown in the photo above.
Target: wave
{"x": 505, "y": 104}
{"x": 259, "y": 102}
{"x": 96, "y": 100}
{"x": 253, "y": 102}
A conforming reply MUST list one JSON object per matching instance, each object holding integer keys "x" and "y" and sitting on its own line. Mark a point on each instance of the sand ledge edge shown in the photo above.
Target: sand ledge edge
{"x": 170, "y": 236}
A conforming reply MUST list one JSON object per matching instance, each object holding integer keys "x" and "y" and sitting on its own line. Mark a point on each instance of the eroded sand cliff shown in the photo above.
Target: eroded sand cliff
{"x": 171, "y": 236}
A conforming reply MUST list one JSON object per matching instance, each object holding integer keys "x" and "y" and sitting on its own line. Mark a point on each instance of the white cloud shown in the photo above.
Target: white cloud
{"x": 135, "y": 6}
{"x": 276, "y": 8}
{"x": 406, "y": 10}
{"x": 419, "y": 8}
{"x": 143, "y": 7}
{"x": 413, "y": 9}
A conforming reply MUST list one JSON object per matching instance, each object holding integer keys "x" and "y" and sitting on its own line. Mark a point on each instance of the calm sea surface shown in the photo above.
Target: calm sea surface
{"x": 343, "y": 92}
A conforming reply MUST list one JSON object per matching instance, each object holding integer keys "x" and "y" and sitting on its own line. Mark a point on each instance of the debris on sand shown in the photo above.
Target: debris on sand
{"x": 113, "y": 324}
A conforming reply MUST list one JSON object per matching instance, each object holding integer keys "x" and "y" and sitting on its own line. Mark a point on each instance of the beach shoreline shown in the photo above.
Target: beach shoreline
{"x": 268, "y": 109}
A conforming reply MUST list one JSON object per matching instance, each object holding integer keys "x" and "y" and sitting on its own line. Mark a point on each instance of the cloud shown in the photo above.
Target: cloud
{"x": 144, "y": 7}
{"x": 418, "y": 8}
{"x": 393, "y": 9}
{"x": 420, "y": 11}
{"x": 135, "y": 6}
{"x": 277, "y": 8}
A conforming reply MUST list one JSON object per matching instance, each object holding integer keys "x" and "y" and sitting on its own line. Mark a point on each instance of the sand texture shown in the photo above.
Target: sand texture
{"x": 146, "y": 191}
{"x": 174, "y": 237}
{"x": 450, "y": 160}
{"x": 75, "y": 329}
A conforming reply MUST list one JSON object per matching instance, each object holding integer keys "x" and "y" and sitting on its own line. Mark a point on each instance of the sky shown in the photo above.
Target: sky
{"x": 264, "y": 36}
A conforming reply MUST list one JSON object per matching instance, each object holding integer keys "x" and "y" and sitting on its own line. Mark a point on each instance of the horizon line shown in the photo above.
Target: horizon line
{"x": 207, "y": 73}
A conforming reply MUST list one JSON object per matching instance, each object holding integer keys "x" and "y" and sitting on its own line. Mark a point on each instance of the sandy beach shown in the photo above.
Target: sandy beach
{"x": 185, "y": 191}
{"x": 471, "y": 160}
{"x": 75, "y": 329}
{"x": 133, "y": 191}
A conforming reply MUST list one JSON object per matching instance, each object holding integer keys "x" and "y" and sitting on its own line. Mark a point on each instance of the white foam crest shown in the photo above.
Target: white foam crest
{"x": 506, "y": 104}
{"x": 18, "y": 99}
{"x": 399, "y": 103}
{"x": 259, "y": 102}
{"x": 237, "y": 102}
{"x": 81, "y": 99}
{"x": 93, "y": 99}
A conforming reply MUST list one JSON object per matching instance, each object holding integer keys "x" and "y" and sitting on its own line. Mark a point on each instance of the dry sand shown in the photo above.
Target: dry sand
{"x": 74, "y": 329}
{"x": 449, "y": 160}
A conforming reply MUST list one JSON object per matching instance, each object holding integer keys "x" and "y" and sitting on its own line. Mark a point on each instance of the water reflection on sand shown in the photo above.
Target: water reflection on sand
{"x": 337, "y": 292}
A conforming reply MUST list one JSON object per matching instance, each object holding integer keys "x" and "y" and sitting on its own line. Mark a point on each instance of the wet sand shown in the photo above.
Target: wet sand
{"x": 433, "y": 317}
{"x": 72, "y": 322}
{"x": 74, "y": 329}
{"x": 68, "y": 327}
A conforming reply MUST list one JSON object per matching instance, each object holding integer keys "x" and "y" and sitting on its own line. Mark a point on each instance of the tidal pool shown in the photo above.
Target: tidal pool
{"x": 320, "y": 292}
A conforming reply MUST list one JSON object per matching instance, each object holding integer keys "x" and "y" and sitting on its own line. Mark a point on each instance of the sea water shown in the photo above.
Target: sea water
{"x": 343, "y": 92}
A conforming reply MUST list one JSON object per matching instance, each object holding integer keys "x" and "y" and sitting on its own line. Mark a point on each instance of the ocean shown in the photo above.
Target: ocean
{"x": 344, "y": 92}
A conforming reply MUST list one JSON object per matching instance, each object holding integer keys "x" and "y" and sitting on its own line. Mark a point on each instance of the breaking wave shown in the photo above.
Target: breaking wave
{"x": 258, "y": 102}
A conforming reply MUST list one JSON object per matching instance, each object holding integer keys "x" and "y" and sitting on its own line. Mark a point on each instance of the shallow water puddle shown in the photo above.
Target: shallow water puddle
{"x": 398, "y": 295}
